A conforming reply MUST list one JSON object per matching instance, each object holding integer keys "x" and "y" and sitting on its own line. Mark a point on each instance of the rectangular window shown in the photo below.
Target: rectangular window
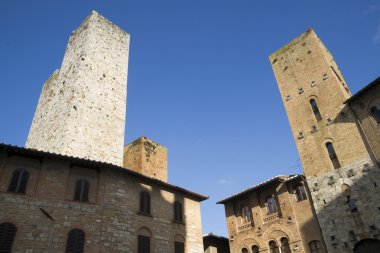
{"x": 143, "y": 244}
{"x": 179, "y": 247}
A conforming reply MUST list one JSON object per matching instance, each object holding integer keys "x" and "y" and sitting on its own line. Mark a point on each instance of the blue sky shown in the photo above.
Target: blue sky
{"x": 199, "y": 82}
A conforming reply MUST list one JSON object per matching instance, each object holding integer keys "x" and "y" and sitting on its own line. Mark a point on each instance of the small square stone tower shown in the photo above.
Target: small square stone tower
{"x": 82, "y": 108}
{"x": 147, "y": 157}
{"x": 339, "y": 166}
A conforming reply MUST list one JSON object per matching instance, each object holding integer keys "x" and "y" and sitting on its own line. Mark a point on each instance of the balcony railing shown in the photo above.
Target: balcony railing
{"x": 271, "y": 217}
{"x": 245, "y": 226}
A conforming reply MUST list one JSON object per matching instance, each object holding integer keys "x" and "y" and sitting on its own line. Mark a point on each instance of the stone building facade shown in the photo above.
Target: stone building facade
{"x": 75, "y": 188}
{"x": 337, "y": 139}
{"x": 274, "y": 216}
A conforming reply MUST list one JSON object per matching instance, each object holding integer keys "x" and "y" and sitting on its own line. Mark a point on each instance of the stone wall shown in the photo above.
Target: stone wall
{"x": 110, "y": 219}
{"x": 81, "y": 111}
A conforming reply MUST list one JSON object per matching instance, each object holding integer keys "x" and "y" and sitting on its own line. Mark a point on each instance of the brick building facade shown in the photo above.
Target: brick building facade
{"x": 337, "y": 138}
{"x": 75, "y": 187}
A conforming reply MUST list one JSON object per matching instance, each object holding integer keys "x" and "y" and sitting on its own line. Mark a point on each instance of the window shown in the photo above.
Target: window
{"x": 255, "y": 249}
{"x": 246, "y": 215}
{"x": 271, "y": 205}
{"x": 244, "y": 250}
{"x": 178, "y": 211}
{"x": 315, "y": 109}
{"x": 7, "y": 236}
{"x": 273, "y": 248}
{"x": 351, "y": 204}
{"x": 81, "y": 190}
{"x": 285, "y": 248}
{"x": 145, "y": 202}
{"x": 179, "y": 244}
{"x": 332, "y": 155}
{"x": 300, "y": 192}
{"x": 75, "y": 241}
{"x": 315, "y": 247}
{"x": 143, "y": 241}
{"x": 19, "y": 181}
{"x": 375, "y": 113}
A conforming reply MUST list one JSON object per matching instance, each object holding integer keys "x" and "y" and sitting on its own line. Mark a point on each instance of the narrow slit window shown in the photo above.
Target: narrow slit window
{"x": 332, "y": 155}
{"x": 145, "y": 202}
{"x": 315, "y": 109}
{"x": 178, "y": 216}
{"x": 81, "y": 190}
{"x": 19, "y": 181}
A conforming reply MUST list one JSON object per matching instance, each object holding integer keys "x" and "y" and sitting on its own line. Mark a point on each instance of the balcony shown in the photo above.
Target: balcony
{"x": 245, "y": 226}
{"x": 272, "y": 217}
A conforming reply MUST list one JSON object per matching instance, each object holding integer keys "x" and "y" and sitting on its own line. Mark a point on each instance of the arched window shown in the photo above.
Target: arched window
{"x": 244, "y": 250}
{"x": 300, "y": 192}
{"x": 314, "y": 108}
{"x": 375, "y": 113}
{"x": 179, "y": 244}
{"x": 143, "y": 239}
{"x": 246, "y": 215}
{"x": 7, "y": 236}
{"x": 315, "y": 247}
{"x": 81, "y": 190}
{"x": 273, "y": 247}
{"x": 271, "y": 205}
{"x": 178, "y": 211}
{"x": 255, "y": 249}
{"x": 19, "y": 181}
{"x": 332, "y": 155}
{"x": 75, "y": 241}
{"x": 145, "y": 202}
{"x": 285, "y": 248}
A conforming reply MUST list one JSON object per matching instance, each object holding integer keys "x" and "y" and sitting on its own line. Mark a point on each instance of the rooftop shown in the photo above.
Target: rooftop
{"x": 279, "y": 178}
{"x": 33, "y": 153}
{"x": 367, "y": 88}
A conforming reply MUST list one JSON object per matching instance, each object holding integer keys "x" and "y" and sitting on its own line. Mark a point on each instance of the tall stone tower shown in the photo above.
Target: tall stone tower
{"x": 82, "y": 108}
{"x": 337, "y": 161}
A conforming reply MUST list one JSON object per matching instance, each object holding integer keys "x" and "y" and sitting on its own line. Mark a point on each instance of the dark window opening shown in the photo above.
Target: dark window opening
{"x": 332, "y": 155}
{"x": 246, "y": 215}
{"x": 244, "y": 250}
{"x": 300, "y": 193}
{"x": 255, "y": 249}
{"x": 178, "y": 211}
{"x": 285, "y": 248}
{"x": 145, "y": 202}
{"x": 273, "y": 247}
{"x": 143, "y": 244}
{"x": 81, "y": 190}
{"x": 179, "y": 247}
{"x": 375, "y": 113}
{"x": 271, "y": 205}
{"x": 7, "y": 236}
{"x": 315, "y": 109}
{"x": 75, "y": 241}
{"x": 19, "y": 181}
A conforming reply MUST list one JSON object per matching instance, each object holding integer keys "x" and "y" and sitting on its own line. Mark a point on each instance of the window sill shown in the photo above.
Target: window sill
{"x": 144, "y": 214}
{"x": 178, "y": 222}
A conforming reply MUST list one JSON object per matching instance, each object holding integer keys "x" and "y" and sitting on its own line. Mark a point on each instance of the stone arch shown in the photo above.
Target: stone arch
{"x": 367, "y": 246}
{"x": 249, "y": 242}
{"x": 144, "y": 231}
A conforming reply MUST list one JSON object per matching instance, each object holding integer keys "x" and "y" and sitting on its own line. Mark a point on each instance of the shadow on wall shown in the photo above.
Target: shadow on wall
{"x": 348, "y": 210}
